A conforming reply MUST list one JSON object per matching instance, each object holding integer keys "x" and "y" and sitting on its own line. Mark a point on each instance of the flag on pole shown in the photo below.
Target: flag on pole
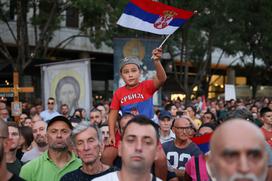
{"x": 153, "y": 17}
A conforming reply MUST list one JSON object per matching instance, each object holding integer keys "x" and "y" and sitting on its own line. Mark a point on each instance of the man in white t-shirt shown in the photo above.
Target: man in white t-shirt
{"x": 138, "y": 150}
{"x": 50, "y": 112}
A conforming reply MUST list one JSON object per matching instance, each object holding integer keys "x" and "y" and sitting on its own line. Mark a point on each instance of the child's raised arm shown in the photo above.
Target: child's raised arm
{"x": 160, "y": 77}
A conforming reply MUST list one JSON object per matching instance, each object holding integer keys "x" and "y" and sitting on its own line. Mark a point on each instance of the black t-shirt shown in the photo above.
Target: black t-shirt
{"x": 15, "y": 167}
{"x": 178, "y": 157}
{"x": 78, "y": 174}
{"x": 15, "y": 178}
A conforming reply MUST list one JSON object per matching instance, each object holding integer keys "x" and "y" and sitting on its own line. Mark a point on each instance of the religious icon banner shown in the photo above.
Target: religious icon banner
{"x": 69, "y": 82}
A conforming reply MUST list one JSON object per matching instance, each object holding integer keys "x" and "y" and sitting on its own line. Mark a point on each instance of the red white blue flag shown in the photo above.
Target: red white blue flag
{"x": 153, "y": 17}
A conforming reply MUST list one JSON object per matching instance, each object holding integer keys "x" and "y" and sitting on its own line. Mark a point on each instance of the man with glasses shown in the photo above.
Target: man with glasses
{"x": 58, "y": 160}
{"x": 180, "y": 150}
{"x": 50, "y": 112}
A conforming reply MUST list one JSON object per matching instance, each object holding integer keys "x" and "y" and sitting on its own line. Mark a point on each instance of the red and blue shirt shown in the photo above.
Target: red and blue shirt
{"x": 137, "y": 100}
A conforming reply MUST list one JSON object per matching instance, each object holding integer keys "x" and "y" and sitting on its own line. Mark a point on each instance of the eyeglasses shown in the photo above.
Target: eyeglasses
{"x": 52, "y": 103}
{"x": 189, "y": 128}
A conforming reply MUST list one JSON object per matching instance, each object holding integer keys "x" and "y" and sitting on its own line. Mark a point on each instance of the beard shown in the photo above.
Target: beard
{"x": 41, "y": 144}
{"x": 41, "y": 141}
{"x": 59, "y": 148}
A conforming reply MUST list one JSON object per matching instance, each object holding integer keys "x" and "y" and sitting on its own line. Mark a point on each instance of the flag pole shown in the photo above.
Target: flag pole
{"x": 164, "y": 40}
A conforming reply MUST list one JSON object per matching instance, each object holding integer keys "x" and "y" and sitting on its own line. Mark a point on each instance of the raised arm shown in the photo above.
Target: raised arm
{"x": 160, "y": 77}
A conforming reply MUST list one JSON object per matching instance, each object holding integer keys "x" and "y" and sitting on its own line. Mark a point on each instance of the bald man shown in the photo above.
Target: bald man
{"x": 39, "y": 134}
{"x": 238, "y": 152}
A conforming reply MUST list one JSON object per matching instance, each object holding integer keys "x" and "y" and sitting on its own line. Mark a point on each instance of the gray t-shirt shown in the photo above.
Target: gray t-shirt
{"x": 31, "y": 154}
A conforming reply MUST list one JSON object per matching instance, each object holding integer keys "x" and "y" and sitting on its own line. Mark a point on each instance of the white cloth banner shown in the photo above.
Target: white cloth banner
{"x": 230, "y": 92}
{"x": 69, "y": 82}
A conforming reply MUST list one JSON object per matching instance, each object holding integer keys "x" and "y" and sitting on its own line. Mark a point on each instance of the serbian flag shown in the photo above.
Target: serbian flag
{"x": 203, "y": 142}
{"x": 153, "y": 17}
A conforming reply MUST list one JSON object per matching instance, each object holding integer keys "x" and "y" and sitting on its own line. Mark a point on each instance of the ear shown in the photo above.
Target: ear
{"x": 158, "y": 152}
{"x": 119, "y": 149}
{"x": 209, "y": 166}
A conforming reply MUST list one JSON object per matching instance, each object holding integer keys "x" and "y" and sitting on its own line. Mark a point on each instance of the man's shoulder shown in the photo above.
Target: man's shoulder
{"x": 34, "y": 163}
{"x": 73, "y": 175}
{"x": 168, "y": 145}
{"x": 112, "y": 176}
{"x": 30, "y": 155}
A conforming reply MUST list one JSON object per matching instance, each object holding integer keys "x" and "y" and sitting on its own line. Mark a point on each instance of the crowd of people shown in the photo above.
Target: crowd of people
{"x": 131, "y": 140}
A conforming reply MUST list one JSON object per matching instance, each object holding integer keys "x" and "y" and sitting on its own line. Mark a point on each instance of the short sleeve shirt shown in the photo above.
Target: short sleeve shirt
{"x": 178, "y": 157}
{"x": 44, "y": 169}
{"x": 137, "y": 100}
{"x": 80, "y": 175}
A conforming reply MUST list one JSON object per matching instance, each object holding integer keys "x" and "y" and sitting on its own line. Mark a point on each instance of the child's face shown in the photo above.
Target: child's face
{"x": 131, "y": 73}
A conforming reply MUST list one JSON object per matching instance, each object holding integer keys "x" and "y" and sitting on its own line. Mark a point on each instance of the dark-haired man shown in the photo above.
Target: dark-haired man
{"x": 5, "y": 175}
{"x": 58, "y": 160}
{"x": 266, "y": 117}
{"x": 139, "y": 147}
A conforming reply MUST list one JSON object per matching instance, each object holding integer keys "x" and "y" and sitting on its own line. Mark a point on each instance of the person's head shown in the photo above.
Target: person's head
{"x": 165, "y": 121}
{"x": 88, "y": 143}
{"x": 102, "y": 109}
{"x": 139, "y": 145}
{"x": 59, "y": 130}
{"x": 68, "y": 92}
{"x": 64, "y": 110}
{"x": 172, "y": 108}
{"x": 4, "y": 137}
{"x": 130, "y": 71}
{"x": 104, "y": 128}
{"x": 208, "y": 117}
{"x": 35, "y": 119}
{"x": 51, "y": 103}
{"x": 266, "y": 116}
{"x": 22, "y": 118}
{"x": 95, "y": 116}
{"x": 206, "y": 128}
{"x": 39, "y": 108}
{"x": 4, "y": 114}
{"x": 237, "y": 152}
{"x": 26, "y": 137}
{"x": 183, "y": 128}
{"x": 79, "y": 113}
{"x": 39, "y": 133}
{"x": 27, "y": 122}
{"x": 241, "y": 112}
{"x": 14, "y": 135}
{"x": 33, "y": 111}
{"x": 191, "y": 111}
{"x": 254, "y": 110}
{"x": 123, "y": 121}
